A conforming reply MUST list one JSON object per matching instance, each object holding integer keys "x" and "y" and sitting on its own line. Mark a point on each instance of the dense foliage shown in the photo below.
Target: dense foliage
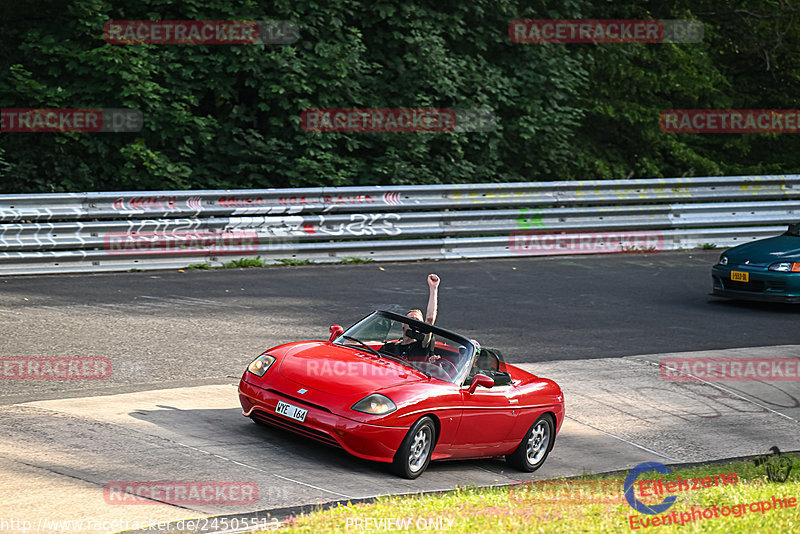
{"x": 228, "y": 116}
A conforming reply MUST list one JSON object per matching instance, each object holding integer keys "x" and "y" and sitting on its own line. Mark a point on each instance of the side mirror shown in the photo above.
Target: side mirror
{"x": 480, "y": 380}
{"x": 335, "y": 331}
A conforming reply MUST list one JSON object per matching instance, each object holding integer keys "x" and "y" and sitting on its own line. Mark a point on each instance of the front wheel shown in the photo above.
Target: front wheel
{"x": 414, "y": 454}
{"x": 532, "y": 451}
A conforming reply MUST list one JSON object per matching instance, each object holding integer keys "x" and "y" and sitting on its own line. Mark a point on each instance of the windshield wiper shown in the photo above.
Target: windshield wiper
{"x": 407, "y": 363}
{"x": 417, "y": 368}
{"x": 373, "y": 351}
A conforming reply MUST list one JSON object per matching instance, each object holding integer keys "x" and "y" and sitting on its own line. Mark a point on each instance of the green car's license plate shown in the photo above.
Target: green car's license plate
{"x": 739, "y": 276}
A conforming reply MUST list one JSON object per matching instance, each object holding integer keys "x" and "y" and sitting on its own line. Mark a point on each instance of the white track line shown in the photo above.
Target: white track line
{"x": 622, "y": 439}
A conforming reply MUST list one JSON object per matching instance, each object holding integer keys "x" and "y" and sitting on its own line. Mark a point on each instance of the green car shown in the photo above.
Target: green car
{"x": 767, "y": 269}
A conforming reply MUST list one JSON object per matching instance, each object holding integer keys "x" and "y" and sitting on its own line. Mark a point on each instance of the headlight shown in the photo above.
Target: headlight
{"x": 785, "y": 267}
{"x": 723, "y": 260}
{"x": 375, "y": 404}
{"x": 261, "y": 364}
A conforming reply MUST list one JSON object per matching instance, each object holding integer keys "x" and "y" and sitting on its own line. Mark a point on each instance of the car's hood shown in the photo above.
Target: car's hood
{"x": 766, "y": 251}
{"x": 341, "y": 370}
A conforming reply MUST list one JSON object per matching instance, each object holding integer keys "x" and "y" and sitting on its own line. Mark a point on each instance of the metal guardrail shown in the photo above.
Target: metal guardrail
{"x": 96, "y": 232}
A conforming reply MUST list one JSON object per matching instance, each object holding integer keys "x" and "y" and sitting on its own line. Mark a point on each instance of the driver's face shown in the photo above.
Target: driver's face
{"x": 410, "y": 333}
{"x": 406, "y": 330}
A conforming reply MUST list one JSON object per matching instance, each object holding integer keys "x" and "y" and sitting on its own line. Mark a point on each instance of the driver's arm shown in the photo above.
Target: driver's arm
{"x": 433, "y": 305}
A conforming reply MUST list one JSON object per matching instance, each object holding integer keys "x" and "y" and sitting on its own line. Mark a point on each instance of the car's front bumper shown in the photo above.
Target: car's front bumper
{"x": 763, "y": 285}
{"x": 371, "y": 442}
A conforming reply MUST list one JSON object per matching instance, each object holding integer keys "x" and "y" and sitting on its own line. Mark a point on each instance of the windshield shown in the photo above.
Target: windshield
{"x": 794, "y": 230}
{"x": 435, "y": 352}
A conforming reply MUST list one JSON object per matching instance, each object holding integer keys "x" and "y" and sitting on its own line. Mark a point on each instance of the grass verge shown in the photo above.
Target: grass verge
{"x": 257, "y": 262}
{"x": 585, "y": 504}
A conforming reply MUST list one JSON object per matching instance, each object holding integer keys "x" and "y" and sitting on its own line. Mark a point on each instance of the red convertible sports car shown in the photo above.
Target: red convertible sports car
{"x": 396, "y": 390}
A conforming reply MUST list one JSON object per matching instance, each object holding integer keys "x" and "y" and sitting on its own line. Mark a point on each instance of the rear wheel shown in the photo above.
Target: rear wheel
{"x": 414, "y": 454}
{"x": 532, "y": 451}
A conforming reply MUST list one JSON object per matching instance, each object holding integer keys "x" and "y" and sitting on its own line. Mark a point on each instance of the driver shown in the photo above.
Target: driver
{"x": 414, "y": 343}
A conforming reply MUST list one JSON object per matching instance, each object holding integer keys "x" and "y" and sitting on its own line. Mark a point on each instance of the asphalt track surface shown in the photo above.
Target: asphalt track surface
{"x": 167, "y": 329}
{"x": 178, "y": 342}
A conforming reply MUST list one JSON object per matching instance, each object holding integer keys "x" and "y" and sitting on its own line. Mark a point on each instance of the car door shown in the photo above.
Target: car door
{"x": 487, "y": 418}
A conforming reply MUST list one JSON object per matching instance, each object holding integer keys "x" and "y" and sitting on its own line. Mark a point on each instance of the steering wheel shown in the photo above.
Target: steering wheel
{"x": 445, "y": 366}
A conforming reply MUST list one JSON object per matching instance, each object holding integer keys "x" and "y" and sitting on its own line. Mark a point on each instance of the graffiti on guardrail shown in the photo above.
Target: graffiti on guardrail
{"x": 355, "y": 224}
{"x": 348, "y": 199}
{"x": 530, "y": 218}
{"x": 79, "y": 231}
{"x": 166, "y": 204}
{"x": 283, "y": 204}
{"x": 299, "y": 203}
{"x": 489, "y": 198}
{"x": 623, "y": 193}
{"x": 360, "y": 224}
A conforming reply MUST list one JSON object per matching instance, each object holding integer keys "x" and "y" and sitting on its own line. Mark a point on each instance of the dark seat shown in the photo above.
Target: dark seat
{"x": 490, "y": 363}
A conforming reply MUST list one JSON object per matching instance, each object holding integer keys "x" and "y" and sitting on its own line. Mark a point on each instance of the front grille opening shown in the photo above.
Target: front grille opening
{"x": 754, "y": 286}
{"x": 295, "y": 427}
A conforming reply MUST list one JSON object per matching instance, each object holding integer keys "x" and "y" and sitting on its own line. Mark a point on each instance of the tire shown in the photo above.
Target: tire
{"x": 414, "y": 454}
{"x": 532, "y": 451}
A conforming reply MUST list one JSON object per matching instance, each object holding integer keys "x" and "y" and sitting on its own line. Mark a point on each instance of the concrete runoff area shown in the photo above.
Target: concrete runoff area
{"x": 688, "y": 420}
{"x": 620, "y": 412}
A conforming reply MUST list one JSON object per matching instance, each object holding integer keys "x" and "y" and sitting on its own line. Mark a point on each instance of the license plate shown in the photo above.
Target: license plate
{"x": 291, "y": 411}
{"x": 739, "y": 276}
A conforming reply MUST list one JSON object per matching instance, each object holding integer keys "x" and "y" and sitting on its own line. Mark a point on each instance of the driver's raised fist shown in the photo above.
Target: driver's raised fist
{"x": 433, "y": 281}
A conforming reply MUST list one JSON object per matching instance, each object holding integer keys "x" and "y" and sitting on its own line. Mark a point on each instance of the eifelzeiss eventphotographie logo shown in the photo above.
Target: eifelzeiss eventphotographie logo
{"x": 656, "y": 515}
{"x": 662, "y": 486}
{"x": 630, "y": 496}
